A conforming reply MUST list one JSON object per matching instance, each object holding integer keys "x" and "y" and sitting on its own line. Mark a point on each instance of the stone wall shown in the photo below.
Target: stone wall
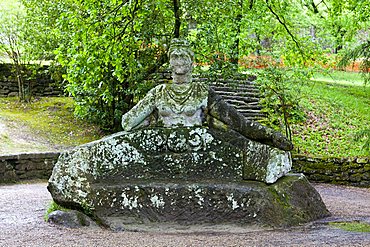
{"x": 347, "y": 171}
{"x": 26, "y": 166}
{"x": 42, "y": 85}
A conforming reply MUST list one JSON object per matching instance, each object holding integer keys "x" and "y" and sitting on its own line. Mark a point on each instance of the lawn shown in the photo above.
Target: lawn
{"x": 339, "y": 77}
{"x": 335, "y": 110}
{"x": 51, "y": 118}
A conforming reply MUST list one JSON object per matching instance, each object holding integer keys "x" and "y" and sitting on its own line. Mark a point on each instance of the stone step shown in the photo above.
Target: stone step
{"x": 238, "y": 89}
{"x": 233, "y": 94}
{"x": 240, "y": 101}
{"x": 248, "y": 106}
{"x": 251, "y": 112}
{"x": 248, "y": 111}
{"x": 244, "y": 97}
{"x": 233, "y": 81}
{"x": 254, "y": 118}
{"x": 254, "y": 103}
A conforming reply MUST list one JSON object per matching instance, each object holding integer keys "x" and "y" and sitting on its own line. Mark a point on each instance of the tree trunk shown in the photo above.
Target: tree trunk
{"x": 176, "y": 11}
{"x": 235, "y": 47}
{"x": 20, "y": 82}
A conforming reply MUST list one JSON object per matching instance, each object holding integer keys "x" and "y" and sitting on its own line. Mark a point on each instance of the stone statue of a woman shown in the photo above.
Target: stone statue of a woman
{"x": 185, "y": 155}
{"x": 181, "y": 103}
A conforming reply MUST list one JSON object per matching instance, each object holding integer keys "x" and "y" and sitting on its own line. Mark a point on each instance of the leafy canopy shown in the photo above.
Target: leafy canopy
{"x": 108, "y": 48}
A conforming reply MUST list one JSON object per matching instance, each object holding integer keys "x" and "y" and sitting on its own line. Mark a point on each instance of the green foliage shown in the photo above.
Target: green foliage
{"x": 12, "y": 22}
{"x": 53, "y": 206}
{"x": 281, "y": 95}
{"x": 107, "y": 49}
{"x": 42, "y": 36}
{"x": 364, "y": 136}
{"x": 111, "y": 48}
{"x": 362, "y": 53}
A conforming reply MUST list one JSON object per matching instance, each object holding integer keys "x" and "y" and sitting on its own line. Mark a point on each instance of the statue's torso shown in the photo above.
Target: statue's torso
{"x": 181, "y": 104}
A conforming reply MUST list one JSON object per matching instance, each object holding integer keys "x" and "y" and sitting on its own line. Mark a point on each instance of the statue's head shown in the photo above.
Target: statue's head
{"x": 181, "y": 61}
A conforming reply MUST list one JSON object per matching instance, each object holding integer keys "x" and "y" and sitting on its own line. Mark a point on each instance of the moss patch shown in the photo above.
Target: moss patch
{"x": 53, "y": 206}
{"x": 51, "y": 118}
{"x": 354, "y": 226}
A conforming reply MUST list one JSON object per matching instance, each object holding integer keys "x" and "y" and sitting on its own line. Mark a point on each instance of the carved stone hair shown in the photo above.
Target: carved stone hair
{"x": 183, "y": 46}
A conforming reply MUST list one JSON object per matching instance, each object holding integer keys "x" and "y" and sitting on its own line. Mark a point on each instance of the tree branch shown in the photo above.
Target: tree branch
{"x": 281, "y": 20}
{"x": 251, "y": 3}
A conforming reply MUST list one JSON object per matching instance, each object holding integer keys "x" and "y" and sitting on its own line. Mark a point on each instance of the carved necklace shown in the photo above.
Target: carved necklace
{"x": 176, "y": 96}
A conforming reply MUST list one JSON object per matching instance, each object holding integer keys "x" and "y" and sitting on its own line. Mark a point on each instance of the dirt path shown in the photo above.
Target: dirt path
{"x": 22, "y": 208}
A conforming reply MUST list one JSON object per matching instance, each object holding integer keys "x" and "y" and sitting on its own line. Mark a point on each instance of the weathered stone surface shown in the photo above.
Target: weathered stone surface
{"x": 243, "y": 95}
{"x": 224, "y": 116}
{"x": 169, "y": 105}
{"x": 261, "y": 162}
{"x": 70, "y": 219}
{"x": 163, "y": 153}
{"x": 290, "y": 201}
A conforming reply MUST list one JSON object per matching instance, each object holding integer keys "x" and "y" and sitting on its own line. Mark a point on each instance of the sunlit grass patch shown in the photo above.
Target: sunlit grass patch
{"x": 51, "y": 118}
{"x": 354, "y": 226}
{"x": 340, "y": 77}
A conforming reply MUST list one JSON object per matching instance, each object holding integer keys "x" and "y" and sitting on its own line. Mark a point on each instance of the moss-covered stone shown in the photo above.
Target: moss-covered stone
{"x": 290, "y": 201}
{"x": 186, "y": 175}
{"x": 164, "y": 153}
{"x": 349, "y": 171}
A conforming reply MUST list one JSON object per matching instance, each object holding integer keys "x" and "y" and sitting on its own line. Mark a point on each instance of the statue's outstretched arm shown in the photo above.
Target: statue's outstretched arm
{"x": 140, "y": 112}
{"x": 220, "y": 111}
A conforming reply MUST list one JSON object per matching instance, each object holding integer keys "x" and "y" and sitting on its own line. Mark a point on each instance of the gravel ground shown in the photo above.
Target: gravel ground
{"x": 22, "y": 208}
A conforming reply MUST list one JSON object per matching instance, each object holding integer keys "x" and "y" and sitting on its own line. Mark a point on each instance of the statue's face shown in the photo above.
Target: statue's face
{"x": 181, "y": 62}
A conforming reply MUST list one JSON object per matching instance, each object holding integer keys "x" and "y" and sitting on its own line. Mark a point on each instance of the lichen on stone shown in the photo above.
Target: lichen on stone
{"x": 157, "y": 201}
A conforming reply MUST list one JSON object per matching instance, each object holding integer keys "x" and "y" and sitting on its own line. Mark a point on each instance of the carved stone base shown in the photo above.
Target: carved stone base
{"x": 290, "y": 201}
{"x": 185, "y": 175}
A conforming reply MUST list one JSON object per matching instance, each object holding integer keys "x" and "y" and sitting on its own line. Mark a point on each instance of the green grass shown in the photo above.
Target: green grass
{"x": 51, "y": 118}
{"x": 334, "y": 113}
{"x": 354, "y": 226}
{"x": 339, "y": 77}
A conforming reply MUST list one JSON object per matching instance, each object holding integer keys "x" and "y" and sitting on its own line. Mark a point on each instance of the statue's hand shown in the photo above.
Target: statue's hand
{"x": 281, "y": 141}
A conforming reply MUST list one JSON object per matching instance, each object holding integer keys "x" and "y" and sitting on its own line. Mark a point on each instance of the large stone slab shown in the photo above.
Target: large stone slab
{"x": 183, "y": 175}
{"x": 164, "y": 153}
{"x": 290, "y": 201}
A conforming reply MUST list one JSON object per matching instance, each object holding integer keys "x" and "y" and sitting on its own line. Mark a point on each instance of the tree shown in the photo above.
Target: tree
{"x": 336, "y": 22}
{"x": 107, "y": 49}
{"x": 11, "y": 38}
{"x": 43, "y": 35}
